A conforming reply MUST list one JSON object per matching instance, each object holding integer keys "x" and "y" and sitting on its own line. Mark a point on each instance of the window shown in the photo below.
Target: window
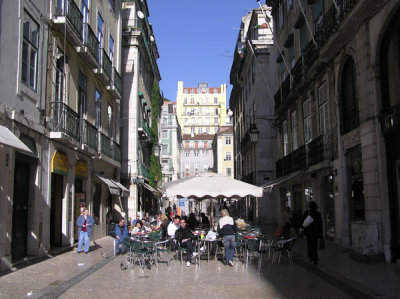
{"x": 185, "y": 101}
{"x": 112, "y": 5}
{"x": 349, "y": 104}
{"x": 186, "y": 121}
{"x": 164, "y": 134}
{"x": 111, "y": 45}
{"x": 228, "y": 171}
{"x": 285, "y": 139}
{"x": 307, "y": 120}
{"x": 30, "y": 48}
{"x": 196, "y": 153}
{"x": 60, "y": 79}
{"x": 199, "y": 130}
{"x": 317, "y": 11}
{"x": 192, "y": 101}
{"x": 85, "y": 19}
{"x": 97, "y": 100}
{"x": 205, "y": 144}
{"x": 192, "y": 120}
{"x": 295, "y": 144}
{"x": 200, "y": 121}
{"x": 164, "y": 121}
{"x": 196, "y": 165}
{"x": 280, "y": 19}
{"x": 192, "y": 130}
{"x": 228, "y": 140}
{"x": 216, "y": 111}
{"x": 164, "y": 149}
{"x": 323, "y": 109}
{"x": 82, "y": 91}
{"x": 215, "y": 100}
{"x": 207, "y": 110}
{"x": 110, "y": 121}
{"x": 100, "y": 30}
{"x": 216, "y": 121}
{"x": 196, "y": 145}
{"x": 187, "y": 165}
{"x": 207, "y": 130}
{"x": 170, "y": 108}
{"x": 187, "y": 153}
{"x": 200, "y": 111}
{"x": 303, "y": 35}
{"x": 187, "y": 144}
{"x": 228, "y": 156}
{"x": 207, "y": 121}
{"x": 185, "y": 90}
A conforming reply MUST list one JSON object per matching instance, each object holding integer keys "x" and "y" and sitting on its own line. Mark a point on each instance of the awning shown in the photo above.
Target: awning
{"x": 125, "y": 191}
{"x": 114, "y": 189}
{"x": 9, "y": 139}
{"x": 151, "y": 189}
{"x": 271, "y": 184}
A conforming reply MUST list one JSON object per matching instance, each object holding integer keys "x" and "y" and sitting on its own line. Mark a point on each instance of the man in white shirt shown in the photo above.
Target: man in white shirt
{"x": 173, "y": 226}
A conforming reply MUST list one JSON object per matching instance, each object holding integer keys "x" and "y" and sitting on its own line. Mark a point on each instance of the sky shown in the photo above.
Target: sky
{"x": 196, "y": 40}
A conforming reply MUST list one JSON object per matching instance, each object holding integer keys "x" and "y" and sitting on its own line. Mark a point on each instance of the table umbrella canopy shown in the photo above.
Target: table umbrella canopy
{"x": 210, "y": 185}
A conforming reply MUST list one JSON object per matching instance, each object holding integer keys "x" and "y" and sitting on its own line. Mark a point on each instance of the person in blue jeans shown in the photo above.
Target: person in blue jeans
{"x": 121, "y": 231}
{"x": 227, "y": 229}
{"x": 84, "y": 223}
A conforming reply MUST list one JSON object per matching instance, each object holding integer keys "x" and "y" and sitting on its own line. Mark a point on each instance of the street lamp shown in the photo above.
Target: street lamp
{"x": 254, "y": 133}
{"x": 157, "y": 149}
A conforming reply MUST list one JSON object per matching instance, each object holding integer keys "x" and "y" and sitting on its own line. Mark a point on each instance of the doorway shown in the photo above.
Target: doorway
{"x": 20, "y": 210}
{"x": 56, "y": 209}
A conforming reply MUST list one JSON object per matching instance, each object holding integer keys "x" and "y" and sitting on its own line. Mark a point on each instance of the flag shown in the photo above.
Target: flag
{"x": 262, "y": 26}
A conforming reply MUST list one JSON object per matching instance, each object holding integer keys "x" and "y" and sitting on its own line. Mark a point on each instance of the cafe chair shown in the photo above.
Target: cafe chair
{"x": 163, "y": 250}
{"x": 283, "y": 247}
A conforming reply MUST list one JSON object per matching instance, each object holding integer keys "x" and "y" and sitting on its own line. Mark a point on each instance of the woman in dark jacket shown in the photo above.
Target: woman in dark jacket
{"x": 313, "y": 231}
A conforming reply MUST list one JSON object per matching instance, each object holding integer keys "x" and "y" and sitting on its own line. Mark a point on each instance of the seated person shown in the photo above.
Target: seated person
{"x": 121, "y": 231}
{"x": 173, "y": 226}
{"x": 145, "y": 223}
{"x": 139, "y": 228}
{"x": 204, "y": 220}
{"x": 183, "y": 235}
{"x": 137, "y": 219}
{"x": 164, "y": 226}
{"x": 192, "y": 221}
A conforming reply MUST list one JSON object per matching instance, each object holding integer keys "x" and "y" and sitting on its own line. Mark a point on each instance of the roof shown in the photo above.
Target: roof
{"x": 198, "y": 137}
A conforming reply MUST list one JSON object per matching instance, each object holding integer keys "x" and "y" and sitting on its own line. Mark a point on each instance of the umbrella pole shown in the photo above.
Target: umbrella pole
{"x": 211, "y": 213}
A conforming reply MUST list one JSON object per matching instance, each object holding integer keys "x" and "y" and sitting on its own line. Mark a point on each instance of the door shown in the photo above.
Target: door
{"x": 20, "y": 210}
{"x": 56, "y": 209}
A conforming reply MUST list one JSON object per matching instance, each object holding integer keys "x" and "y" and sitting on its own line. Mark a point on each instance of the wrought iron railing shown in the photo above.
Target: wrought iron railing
{"x": 105, "y": 145}
{"x": 299, "y": 158}
{"x": 326, "y": 27}
{"x": 345, "y": 6}
{"x": 286, "y": 87}
{"x": 69, "y": 9}
{"x": 90, "y": 40}
{"x": 310, "y": 54}
{"x": 145, "y": 127}
{"x": 297, "y": 71}
{"x": 116, "y": 151}
{"x": 89, "y": 135}
{"x": 65, "y": 119}
{"x": 278, "y": 98}
{"x": 319, "y": 149}
{"x": 117, "y": 81}
{"x": 105, "y": 63}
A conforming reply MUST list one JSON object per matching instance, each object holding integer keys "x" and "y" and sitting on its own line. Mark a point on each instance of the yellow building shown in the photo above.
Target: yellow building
{"x": 223, "y": 151}
{"x": 201, "y": 109}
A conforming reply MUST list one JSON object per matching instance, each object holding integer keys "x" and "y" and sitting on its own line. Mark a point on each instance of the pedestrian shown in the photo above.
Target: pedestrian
{"x": 121, "y": 231}
{"x": 164, "y": 226}
{"x": 184, "y": 236}
{"x": 227, "y": 229}
{"x": 84, "y": 223}
{"x": 312, "y": 230}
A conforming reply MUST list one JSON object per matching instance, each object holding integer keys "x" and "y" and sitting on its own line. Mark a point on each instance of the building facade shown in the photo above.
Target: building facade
{"x": 171, "y": 140}
{"x": 222, "y": 147}
{"x": 201, "y": 109}
{"x": 251, "y": 102}
{"x": 337, "y": 102}
{"x": 64, "y": 107}
{"x": 141, "y": 72}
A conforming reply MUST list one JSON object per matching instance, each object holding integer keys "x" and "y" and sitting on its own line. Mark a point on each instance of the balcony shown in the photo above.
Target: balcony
{"x": 326, "y": 27}
{"x": 67, "y": 17}
{"x": 116, "y": 151}
{"x": 65, "y": 122}
{"x": 299, "y": 159}
{"x": 105, "y": 145}
{"x": 319, "y": 150}
{"x": 310, "y": 55}
{"x": 144, "y": 131}
{"x": 89, "y": 135}
{"x": 89, "y": 50}
{"x": 297, "y": 71}
{"x": 115, "y": 88}
{"x": 104, "y": 72}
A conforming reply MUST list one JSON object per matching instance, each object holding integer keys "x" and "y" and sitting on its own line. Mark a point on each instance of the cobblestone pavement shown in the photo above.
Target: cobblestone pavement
{"x": 98, "y": 275}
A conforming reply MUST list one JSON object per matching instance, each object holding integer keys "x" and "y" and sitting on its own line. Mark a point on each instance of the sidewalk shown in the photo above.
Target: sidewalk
{"x": 376, "y": 280}
{"x": 52, "y": 275}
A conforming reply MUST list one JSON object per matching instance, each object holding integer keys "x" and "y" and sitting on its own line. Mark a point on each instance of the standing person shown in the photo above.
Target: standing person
{"x": 84, "y": 223}
{"x": 121, "y": 231}
{"x": 227, "y": 229}
{"x": 184, "y": 236}
{"x": 313, "y": 231}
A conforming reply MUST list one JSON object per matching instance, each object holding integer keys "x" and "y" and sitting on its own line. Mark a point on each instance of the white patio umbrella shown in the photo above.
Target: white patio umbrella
{"x": 210, "y": 185}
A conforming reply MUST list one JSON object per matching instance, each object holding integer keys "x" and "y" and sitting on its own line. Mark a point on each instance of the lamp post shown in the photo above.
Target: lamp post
{"x": 157, "y": 149}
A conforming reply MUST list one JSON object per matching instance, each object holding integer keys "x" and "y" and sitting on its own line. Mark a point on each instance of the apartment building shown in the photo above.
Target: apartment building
{"x": 337, "y": 101}
{"x": 60, "y": 97}
{"x": 141, "y": 73}
{"x": 222, "y": 147}
{"x": 251, "y": 104}
{"x": 171, "y": 140}
{"x": 201, "y": 109}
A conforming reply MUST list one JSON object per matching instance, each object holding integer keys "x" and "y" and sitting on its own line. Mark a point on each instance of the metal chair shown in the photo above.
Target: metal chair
{"x": 283, "y": 246}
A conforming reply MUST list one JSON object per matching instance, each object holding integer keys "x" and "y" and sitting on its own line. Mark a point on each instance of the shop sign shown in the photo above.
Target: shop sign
{"x": 81, "y": 170}
{"x": 59, "y": 163}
